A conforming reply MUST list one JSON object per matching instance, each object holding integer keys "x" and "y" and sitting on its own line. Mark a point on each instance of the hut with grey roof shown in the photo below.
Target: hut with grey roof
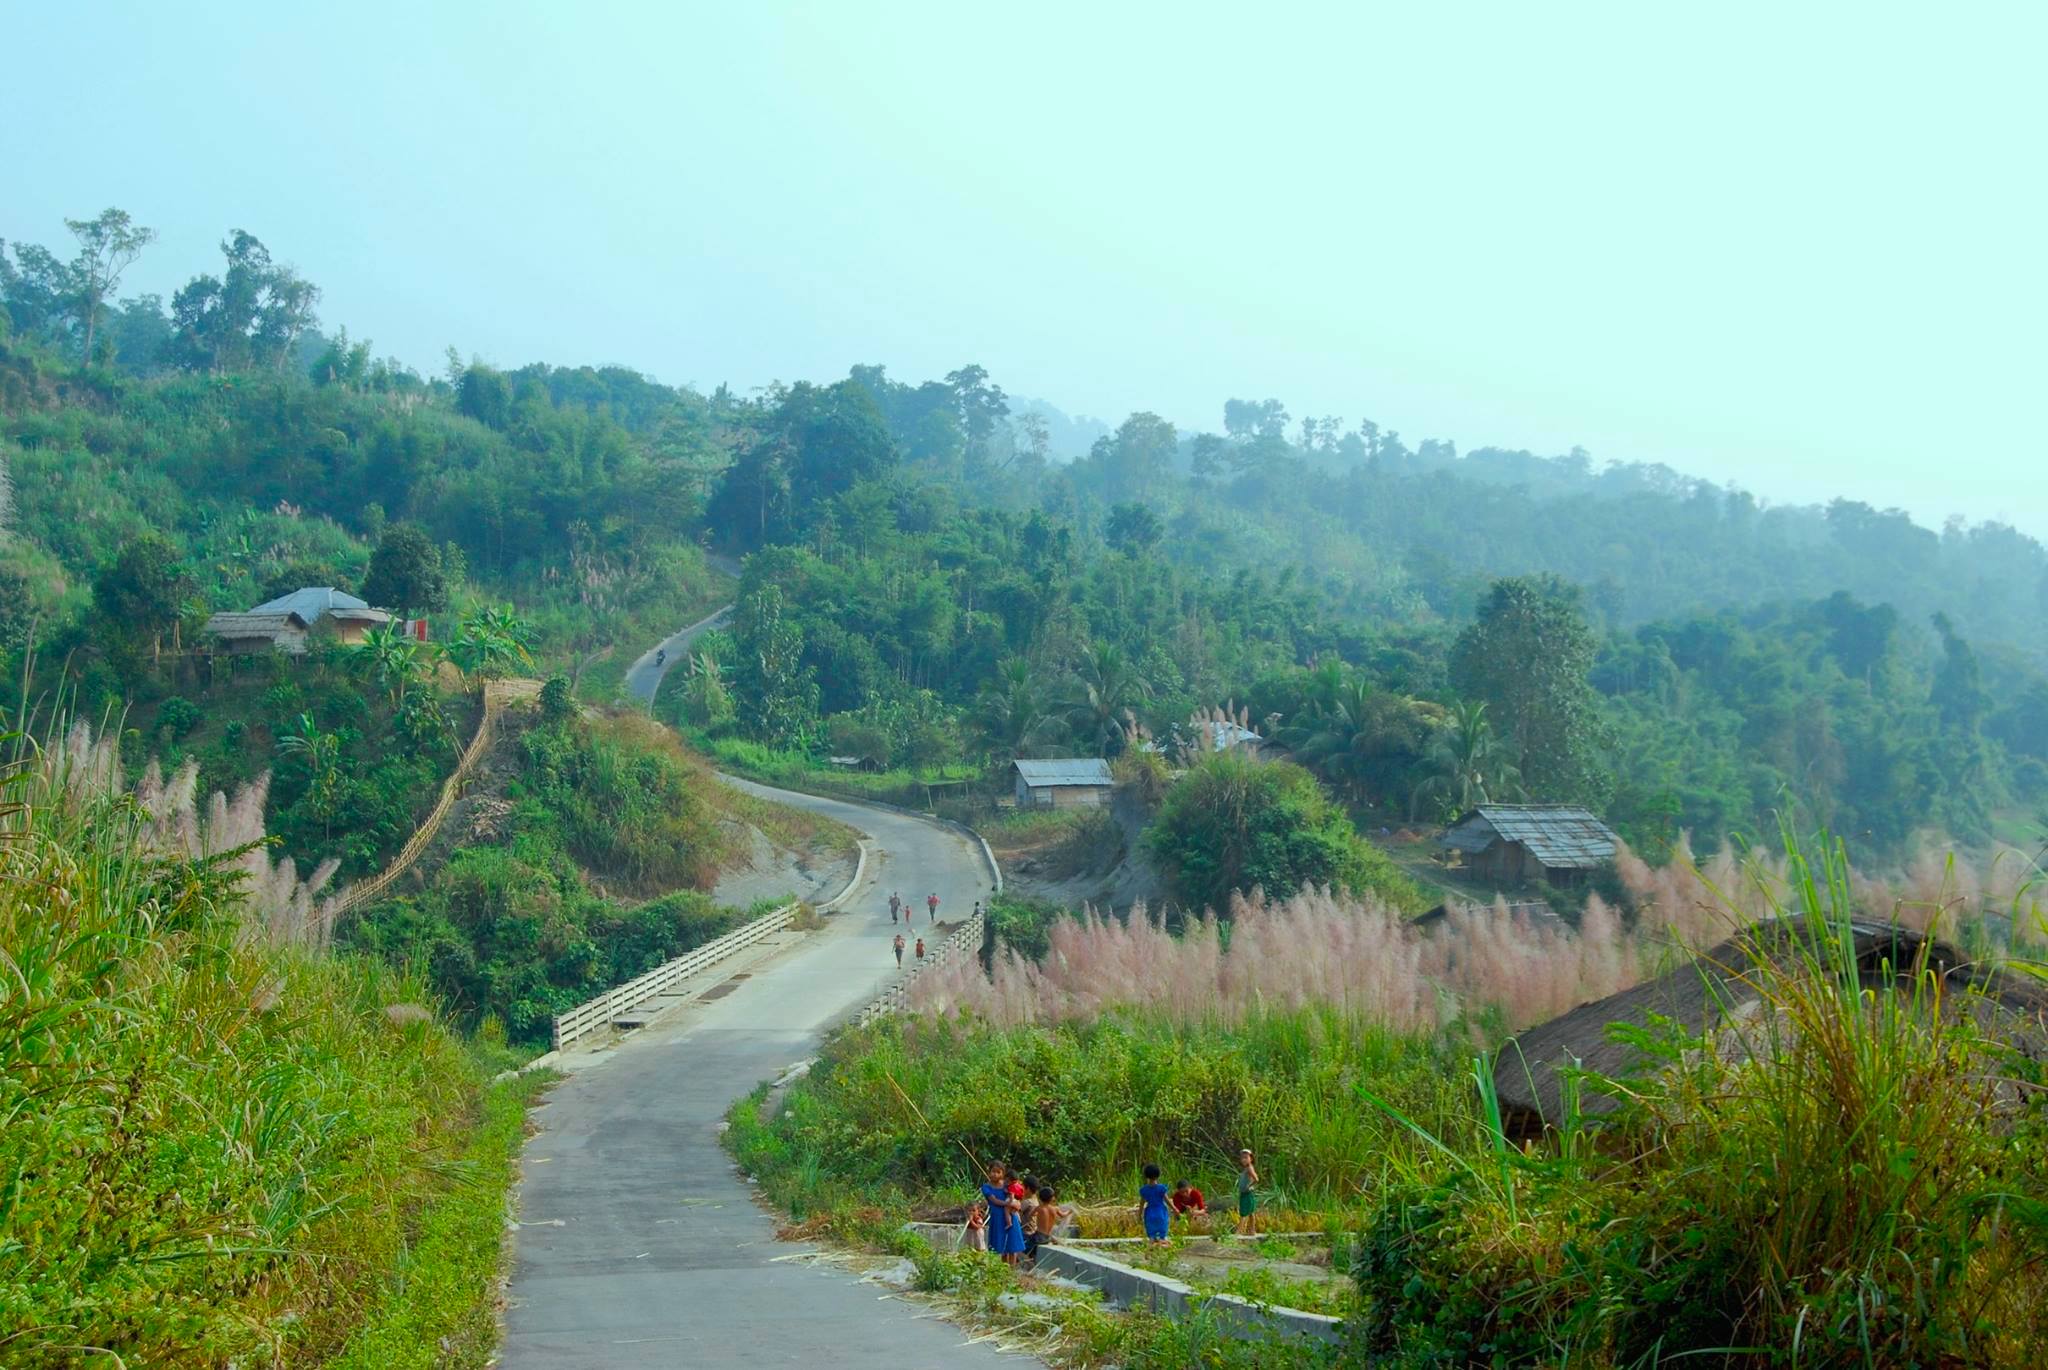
{"x": 283, "y": 624}
{"x": 1073, "y": 782}
{"x": 1512, "y": 844}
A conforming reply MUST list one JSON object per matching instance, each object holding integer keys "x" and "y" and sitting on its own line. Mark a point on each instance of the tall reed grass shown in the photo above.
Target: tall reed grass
{"x": 210, "y": 1139}
{"x": 1362, "y": 955}
{"x": 83, "y": 768}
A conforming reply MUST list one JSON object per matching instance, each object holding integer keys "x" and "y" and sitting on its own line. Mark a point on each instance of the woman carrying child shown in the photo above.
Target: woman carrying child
{"x": 1004, "y": 1239}
{"x": 1152, "y": 1207}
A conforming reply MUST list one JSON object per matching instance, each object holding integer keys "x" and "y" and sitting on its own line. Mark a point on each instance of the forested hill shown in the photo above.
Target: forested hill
{"x": 931, "y": 586}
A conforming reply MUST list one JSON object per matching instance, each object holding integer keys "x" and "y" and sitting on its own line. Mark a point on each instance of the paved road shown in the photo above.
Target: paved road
{"x": 639, "y": 1244}
{"x": 643, "y": 677}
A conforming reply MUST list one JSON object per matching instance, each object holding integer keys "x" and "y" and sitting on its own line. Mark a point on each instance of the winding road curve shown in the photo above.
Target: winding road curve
{"x": 643, "y": 677}
{"x": 639, "y": 1244}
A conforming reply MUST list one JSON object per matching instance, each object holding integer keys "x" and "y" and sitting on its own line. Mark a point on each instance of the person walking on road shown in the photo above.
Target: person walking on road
{"x": 931, "y": 902}
{"x": 895, "y": 906}
{"x": 920, "y": 949}
{"x": 899, "y": 950}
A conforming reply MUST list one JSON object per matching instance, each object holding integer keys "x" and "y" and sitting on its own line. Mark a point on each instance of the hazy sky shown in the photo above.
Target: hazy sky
{"x": 1794, "y": 246}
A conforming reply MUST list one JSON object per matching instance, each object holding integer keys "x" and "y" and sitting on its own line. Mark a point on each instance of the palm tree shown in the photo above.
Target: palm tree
{"x": 393, "y": 660}
{"x": 707, "y": 700}
{"x": 1013, "y": 712}
{"x": 1470, "y": 765}
{"x": 1106, "y": 686}
{"x": 1340, "y": 739}
{"x": 489, "y": 642}
{"x": 321, "y": 753}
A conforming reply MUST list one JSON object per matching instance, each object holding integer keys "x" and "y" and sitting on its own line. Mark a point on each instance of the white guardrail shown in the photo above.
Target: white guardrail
{"x": 965, "y": 939}
{"x": 587, "y": 1018}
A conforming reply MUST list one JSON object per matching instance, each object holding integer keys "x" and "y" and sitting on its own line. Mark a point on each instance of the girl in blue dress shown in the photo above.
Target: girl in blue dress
{"x": 1004, "y": 1237}
{"x": 1152, "y": 1207}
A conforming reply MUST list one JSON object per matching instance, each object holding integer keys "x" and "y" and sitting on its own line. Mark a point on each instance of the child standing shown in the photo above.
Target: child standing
{"x": 1003, "y": 1237}
{"x": 1027, "y": 1217}
{"x": 1152, "y": 1209}
{"x": 1247, "y": 1195}
{"x": 1050, "y": 1215}
{"x": 977, "y": 1225}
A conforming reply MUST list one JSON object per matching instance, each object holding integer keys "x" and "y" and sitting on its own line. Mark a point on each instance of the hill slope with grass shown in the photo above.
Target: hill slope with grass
{"x": 224, "y": 1147}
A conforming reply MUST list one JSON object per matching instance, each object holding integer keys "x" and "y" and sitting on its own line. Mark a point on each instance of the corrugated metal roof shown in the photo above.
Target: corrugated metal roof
{"x": 1069, "y": 771}
{"x": 1561, "y": 836}
{"x": 310, "y": 603}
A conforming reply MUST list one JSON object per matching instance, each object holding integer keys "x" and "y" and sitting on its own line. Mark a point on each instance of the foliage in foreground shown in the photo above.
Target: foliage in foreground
{"x": 437, "y": 1311}
{"x": 1086, "y": 1106}
{"x": 1065, "y": 1328}
{"x": 213, "y": 1147}
{"x": 1851, "y": 1177}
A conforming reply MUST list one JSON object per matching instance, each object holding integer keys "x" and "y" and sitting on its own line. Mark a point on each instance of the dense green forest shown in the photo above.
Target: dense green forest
{"x": 925, "y": 586}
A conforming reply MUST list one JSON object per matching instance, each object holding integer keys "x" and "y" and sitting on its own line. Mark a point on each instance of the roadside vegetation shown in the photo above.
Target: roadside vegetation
{"x": 220, "y": 1144}
{"x": 1860, "y": 1184}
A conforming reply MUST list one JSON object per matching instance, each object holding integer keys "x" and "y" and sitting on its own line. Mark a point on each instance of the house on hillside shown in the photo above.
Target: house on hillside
{"x": 1514, "y": 844}
{"x": 1078, "y": 782}
{"x": 283, "y": 624}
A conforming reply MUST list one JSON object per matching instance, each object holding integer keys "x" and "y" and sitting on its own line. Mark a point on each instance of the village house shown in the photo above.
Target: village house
{"x": 1518, "y": 844}
{"x": 1080, "y": 782}
{"x": 284, "y": 624}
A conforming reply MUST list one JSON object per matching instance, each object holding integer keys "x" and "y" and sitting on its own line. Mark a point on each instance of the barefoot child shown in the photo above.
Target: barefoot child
{"x": 1152, "y": 1208}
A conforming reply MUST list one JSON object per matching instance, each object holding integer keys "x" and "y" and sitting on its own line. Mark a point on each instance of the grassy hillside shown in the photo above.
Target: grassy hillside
{"x": 220, "y": 1145}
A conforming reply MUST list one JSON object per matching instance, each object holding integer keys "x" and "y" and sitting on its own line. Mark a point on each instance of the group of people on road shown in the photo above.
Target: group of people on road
{"x": 897, "y": 908}
{"x": 1014, "y": 1216}
{"x": 900, "y": 910}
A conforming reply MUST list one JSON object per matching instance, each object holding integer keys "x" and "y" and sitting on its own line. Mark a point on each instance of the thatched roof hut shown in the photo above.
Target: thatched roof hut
{"x": 1717, "y": 987}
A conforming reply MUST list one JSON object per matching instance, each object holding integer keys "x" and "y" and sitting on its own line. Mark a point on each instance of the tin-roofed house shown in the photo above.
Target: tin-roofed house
{"x": 1068, "y": 783}
{"x": 1514, "y": 844}
{"x": 283, "y": 624}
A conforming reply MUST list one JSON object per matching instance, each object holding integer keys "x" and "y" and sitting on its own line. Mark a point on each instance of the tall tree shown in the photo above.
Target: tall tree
{"x": 1529, "y": 656}
{"x": 1106, "y": 686}
{"x": 777, "y": 695}
{"x": 143, "y": 591}
{"x": 406, "y": 573}
{"x": 250, "y": 316}
{"x": 107, "y": 246}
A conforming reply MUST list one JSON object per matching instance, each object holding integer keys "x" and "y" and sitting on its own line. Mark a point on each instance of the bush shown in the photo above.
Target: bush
{"x": 178, "y": 716}
{"x": 1234, "y": 824}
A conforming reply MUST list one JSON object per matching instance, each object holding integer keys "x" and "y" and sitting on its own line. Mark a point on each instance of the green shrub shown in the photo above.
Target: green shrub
{"x": 1234, "y": 824}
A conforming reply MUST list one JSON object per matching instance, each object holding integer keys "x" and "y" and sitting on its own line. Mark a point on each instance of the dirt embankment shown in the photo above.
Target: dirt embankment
{"x": 1076, "y": 857}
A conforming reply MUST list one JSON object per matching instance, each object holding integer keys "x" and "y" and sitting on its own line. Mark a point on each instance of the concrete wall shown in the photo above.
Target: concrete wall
{"x": 1134, "y": 1288}
{"x": 1061, "y": 796}
{"x": 1129, "y": 1287}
